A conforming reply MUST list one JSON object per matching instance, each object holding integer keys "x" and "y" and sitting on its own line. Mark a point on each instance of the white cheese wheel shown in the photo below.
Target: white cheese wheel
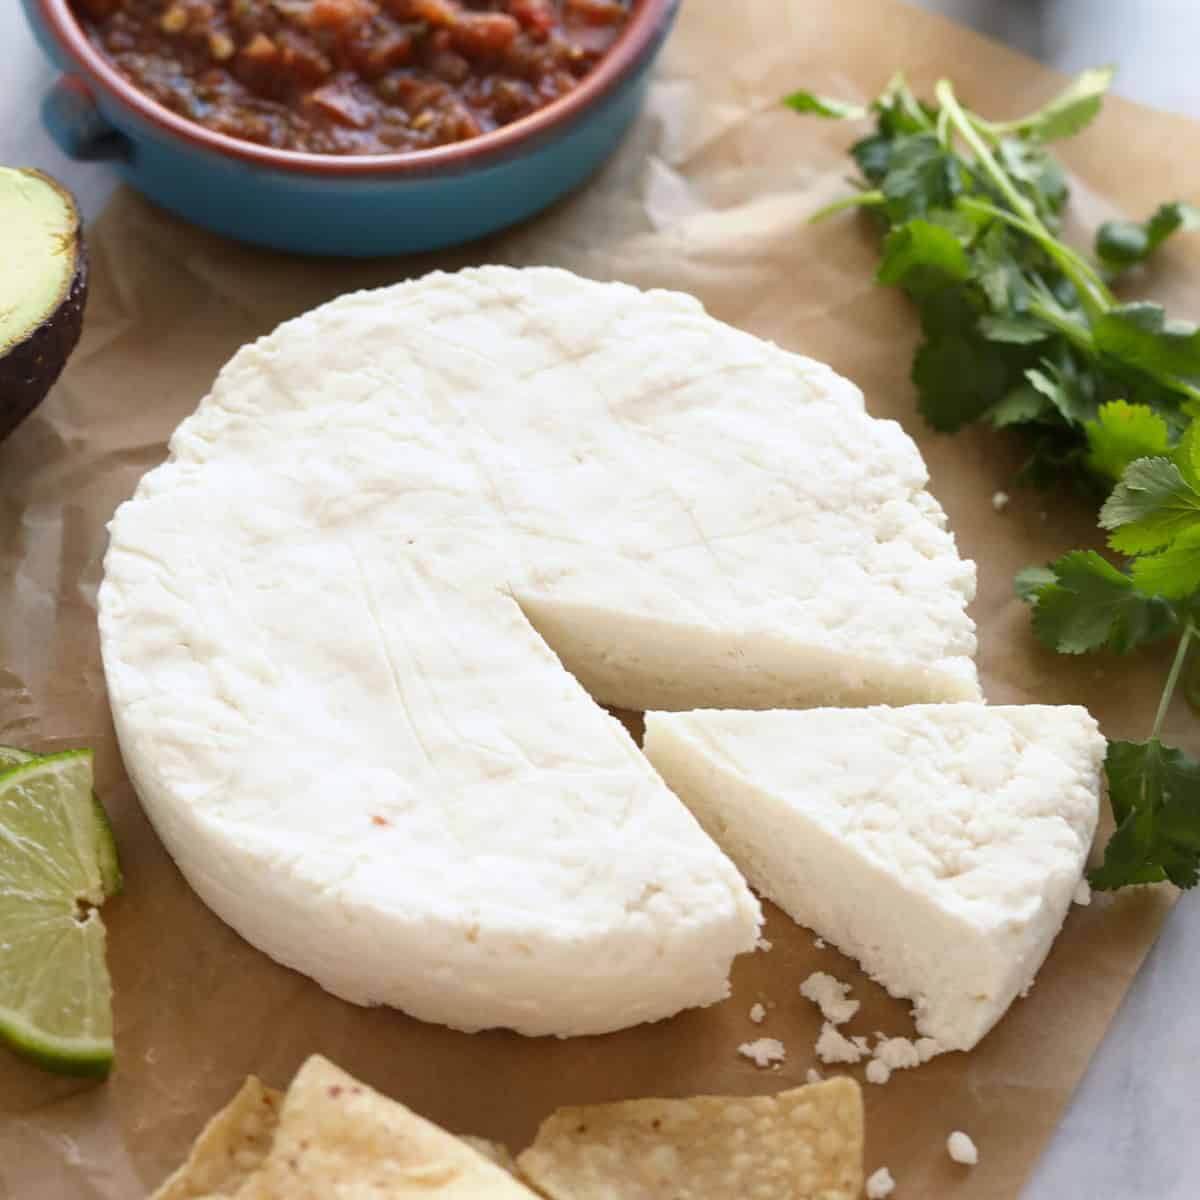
{"x": 938, "y": 844}
{"x": 325, "y": 620}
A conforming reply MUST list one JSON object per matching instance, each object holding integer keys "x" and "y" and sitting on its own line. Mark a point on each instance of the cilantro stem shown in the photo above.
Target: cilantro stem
{"x": 899, "y": 92}
{"x": 857, "y": 200}
{"x": 1072, "y": 330}
{"x": 986, "y": 128}
{"x": 1172, "y": 679}
{"x": 967, "y": 131}
{"x": 944, "y": 136}
{"x": 1076, "y": 268}
{"x": 1093, "y": 291}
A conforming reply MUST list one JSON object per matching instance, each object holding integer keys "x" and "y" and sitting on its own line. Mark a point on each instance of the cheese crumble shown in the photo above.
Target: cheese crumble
{"x": 880, "y": 1185}
{"x": 831, "y": 996}
{"x": 763, "y": 1052}
{"x": 834, "y": 1047}
{"x": 960, "y": 1148}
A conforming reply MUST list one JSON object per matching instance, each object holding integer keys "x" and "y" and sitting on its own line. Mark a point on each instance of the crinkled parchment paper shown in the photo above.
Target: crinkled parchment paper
{"x": 710, "y": 194}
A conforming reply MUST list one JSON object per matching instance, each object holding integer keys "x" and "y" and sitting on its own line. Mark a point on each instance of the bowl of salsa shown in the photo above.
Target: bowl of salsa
{"x": 352, "y": 127}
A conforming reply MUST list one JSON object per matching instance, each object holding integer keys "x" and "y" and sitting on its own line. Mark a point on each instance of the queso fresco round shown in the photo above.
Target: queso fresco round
{"x": 353, "y": 76}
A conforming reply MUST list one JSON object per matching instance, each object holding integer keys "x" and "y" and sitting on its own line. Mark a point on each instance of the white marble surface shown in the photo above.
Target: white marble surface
{"x": 1131, "y": 1132}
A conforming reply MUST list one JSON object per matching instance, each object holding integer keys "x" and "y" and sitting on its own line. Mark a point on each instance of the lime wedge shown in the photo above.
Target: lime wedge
{"x": 110, "y": 866}
{"x": 55, "y": 994}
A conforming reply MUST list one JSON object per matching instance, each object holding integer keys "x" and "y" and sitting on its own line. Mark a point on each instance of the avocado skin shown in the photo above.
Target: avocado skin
{"x": 30, "y": 368}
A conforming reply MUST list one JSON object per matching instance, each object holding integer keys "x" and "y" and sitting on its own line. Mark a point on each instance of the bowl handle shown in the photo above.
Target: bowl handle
{"x": 72, "y": 119}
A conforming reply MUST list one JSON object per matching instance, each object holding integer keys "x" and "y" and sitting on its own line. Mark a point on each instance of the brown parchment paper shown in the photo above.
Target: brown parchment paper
{"x": 710, "y": 194}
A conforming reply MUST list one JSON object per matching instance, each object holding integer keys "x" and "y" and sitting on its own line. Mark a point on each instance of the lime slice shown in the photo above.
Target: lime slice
{"x": 55, "y": 994}
{"x": 110, "y": 866}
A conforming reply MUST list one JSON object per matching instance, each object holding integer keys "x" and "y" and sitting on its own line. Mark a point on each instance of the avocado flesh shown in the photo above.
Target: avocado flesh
{"x": 43, "y": 287}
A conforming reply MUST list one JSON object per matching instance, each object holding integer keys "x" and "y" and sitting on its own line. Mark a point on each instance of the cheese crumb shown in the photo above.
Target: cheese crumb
{"x": 813, "y": 1076}
{"x": 878, "y": 1072}
{"x": 819, "y": 943}
{"x": 880, "y": 1185}
{"x": 763, "y": 944}
{"x": 1000, "y": 501}
{"x": 763, "y": 1052}
{"x": 898, "y": 1053}
{"x": 832, "y": 1047}
{"x": 830, "y": 996}
{"x": 960, "y": 1148}
{"x": 758, "y": 1014}
{"x": 1083, "y": 893}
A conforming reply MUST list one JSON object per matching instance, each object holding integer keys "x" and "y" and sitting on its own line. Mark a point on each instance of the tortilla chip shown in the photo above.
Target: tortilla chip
{"x": 803, "y": 1144}
{"x": 230, "y": 1148}
{"x": 493, "y": 1151}
{"x": 338, "y": 1137}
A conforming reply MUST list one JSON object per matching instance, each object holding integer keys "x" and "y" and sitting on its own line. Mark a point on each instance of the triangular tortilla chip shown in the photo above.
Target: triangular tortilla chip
{"x": 803, "y": 1144}
{"x": 231, "y": 1147}
{"x": 339, "y": 1138}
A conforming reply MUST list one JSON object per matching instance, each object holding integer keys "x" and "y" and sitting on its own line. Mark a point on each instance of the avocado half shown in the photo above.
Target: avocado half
{"x": 43, "y": 288}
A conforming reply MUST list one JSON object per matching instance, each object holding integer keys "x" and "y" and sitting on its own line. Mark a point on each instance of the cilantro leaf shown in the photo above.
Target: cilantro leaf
{"x": 1067, "y": 389}
{"x": 1030, "y": 580}
{"x": 1085, "y": 603}
{"x": 1187, "y": 456}
{"x": 1171, "y": 218}
{"x": 922, "y": 257}
{"x": 1155, "y": 796}
{"x": 1173, "y": 572}
{"x": 998, "y": 272}
{"x": 1121, "y": 244}
{"x": 874, "y": 156}
{"x": 1016, "y": 331}
{"x": 1042, "y": 179}
{"x": 1121, "y": 434}
{"x": 922, "y": 175}
{"x": 1140, "y": 335}
{"x": 959, "y": 377}
{"x": 825, "y": 106}
{"x": 1072, "y": 109}
{"x": 1019, "y": 407}
{"x": 1151, "y": 506}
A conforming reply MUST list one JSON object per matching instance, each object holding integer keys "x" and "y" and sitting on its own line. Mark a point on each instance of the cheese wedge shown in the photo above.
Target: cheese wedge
{"x": 940, "y": 845}
{"x": 346, "y": 624}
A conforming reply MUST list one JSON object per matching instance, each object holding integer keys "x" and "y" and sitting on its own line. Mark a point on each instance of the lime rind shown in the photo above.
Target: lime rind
{"x": 106, "y": 851}
{"x": 89, "y": 1057}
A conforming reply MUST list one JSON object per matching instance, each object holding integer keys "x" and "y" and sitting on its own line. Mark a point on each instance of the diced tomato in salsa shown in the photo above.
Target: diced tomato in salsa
{"x": 354, "y": 76}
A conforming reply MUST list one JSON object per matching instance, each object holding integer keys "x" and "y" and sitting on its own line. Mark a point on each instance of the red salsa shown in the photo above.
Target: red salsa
{"x": 353, "y": 76}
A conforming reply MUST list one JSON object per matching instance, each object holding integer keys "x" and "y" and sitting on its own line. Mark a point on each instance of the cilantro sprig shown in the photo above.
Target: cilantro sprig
{"x": 1020, "y": 328}
{"x": 1023, "y": 330}
{"x": 1083, "y": 603}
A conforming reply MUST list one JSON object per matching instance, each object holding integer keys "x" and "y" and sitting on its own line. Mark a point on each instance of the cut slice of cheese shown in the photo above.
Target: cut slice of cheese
{"x": 346, "y": 624}
{"x": 940, "y": 845}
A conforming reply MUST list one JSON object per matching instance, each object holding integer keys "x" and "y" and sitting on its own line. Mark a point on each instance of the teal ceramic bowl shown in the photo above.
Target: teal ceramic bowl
{"x": 343, "y": 205}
